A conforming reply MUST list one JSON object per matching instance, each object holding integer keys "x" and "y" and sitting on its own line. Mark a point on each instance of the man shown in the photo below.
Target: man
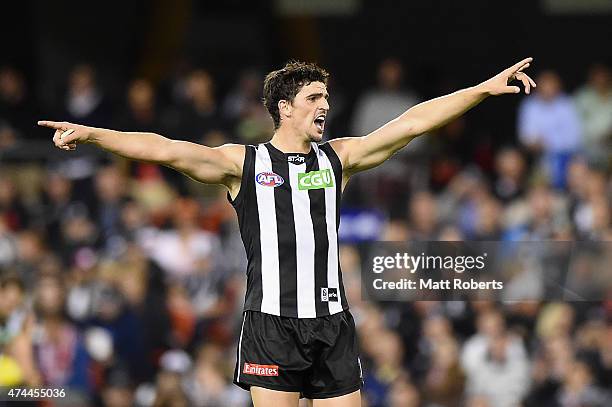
{"x": 297, "y": 335}
{"x": 549, "y": 125}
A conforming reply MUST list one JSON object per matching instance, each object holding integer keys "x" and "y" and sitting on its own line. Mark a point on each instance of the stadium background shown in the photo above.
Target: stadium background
{"x": 124, "y": 281}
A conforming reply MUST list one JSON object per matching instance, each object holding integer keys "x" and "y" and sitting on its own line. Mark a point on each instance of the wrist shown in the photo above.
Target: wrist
{"x": 483, "y": 89}
{"x": 92, "y": 135}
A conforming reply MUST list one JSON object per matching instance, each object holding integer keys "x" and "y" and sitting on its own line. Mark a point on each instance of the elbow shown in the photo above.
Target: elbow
{"x": 415, "y": 127}
{"x": 412, "y": 125}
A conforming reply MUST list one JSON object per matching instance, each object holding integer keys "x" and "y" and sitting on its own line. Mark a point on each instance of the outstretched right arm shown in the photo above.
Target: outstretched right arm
{"x": 218, "y": 165}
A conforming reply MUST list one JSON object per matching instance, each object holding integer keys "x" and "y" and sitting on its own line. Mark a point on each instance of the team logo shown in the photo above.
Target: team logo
{"x": 315, "y": 180}
{"x": 296, "y": 159}
{"x": 260, "y": 370}
{"x": 269, "y": 179}
{"x": 329, "y": 294}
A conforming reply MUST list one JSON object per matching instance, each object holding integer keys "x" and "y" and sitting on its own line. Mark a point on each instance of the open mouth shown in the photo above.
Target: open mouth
{"x": 319, "y": 121}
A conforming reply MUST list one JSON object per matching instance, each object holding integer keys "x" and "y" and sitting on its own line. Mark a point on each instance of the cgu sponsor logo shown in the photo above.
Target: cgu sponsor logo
{"x": 315, "y": 180}
{"x": 260, "y": 370}
{"x": 269, "y": 179}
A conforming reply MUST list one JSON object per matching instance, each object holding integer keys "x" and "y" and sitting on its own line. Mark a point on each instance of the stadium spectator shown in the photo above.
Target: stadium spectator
{"x": 375, "y": 107}
{"x": 141, "y": 110}
{"x": 17, "y": 109}
{"x": 385, "y": 102}
{"x": 243, "y": 107}
{"x": 243, "y": 96}
{"x": 386, "y": 350}
{"x": 200, "y": 114}
{"x": 423, "y": 215}
{"x": 487, "y": 225}
{"x": 16, "y": 332}
{"x": 57, "y": 202}
{"x": 510, "y": 169}
{"x": 207, "y": 383}
{"x": 60, "y": 351}
{"x": 118, "y": 390}
{"x": 196, "y": 248}
{"x": 170, "y": 390}
{"x": 8, "y": 136}
{"x": 549, "y": 124}
{"x": 403, "y": 394}
{"x": 579, "y": 389}
{"x": 594, "y": 103}
{"x": 11, "y": 208}
{"x": 111, "y": 192}
{"x": 546, "y": 217}
{"x": 495, "y": 363}
{"x": 85, "y": 101}
{"x": 444, "y": 381}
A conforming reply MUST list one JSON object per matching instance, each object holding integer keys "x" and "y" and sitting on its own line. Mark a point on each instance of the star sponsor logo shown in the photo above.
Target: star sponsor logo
{"x": 296, "y": 159}
{"x": 269, "y": 179}
{"x": 315, "y": 180}
{"x": 260, "y": 370}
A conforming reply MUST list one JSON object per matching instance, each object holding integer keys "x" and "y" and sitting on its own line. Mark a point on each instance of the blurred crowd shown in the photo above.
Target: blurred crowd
{"x": 124, "y": 281}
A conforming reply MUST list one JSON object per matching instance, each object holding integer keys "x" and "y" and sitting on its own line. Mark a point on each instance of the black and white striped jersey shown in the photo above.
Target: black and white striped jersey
{"x": 289, "y": 211}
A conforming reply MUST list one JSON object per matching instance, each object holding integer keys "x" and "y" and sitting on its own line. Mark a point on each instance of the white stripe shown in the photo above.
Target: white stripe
{"x": 270, "y": 280}
{"x": 240, "y": 349}
{"x": 304, "y": 245}
{"x": 332, "y": 236}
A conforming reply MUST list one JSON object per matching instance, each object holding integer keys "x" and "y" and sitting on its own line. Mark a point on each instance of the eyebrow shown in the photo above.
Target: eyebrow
{"x": 326, "y": 95}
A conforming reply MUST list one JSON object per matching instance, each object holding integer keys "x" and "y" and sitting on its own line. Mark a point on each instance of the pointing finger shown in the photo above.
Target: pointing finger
{"x": 523, "y": 67}
{"x": 516, "y": 66}
{"x": 51, "y": 124}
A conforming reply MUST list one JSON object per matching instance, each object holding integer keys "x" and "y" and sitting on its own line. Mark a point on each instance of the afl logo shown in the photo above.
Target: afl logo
{"x": 269, "y": 179}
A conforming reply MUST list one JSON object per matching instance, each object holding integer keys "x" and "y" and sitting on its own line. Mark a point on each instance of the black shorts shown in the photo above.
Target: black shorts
{"x": 317, "y": 357}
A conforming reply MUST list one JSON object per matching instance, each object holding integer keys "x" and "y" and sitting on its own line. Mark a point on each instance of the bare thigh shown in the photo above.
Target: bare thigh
{"x": 266, "y": 397}
{"x": 348, "y": 400}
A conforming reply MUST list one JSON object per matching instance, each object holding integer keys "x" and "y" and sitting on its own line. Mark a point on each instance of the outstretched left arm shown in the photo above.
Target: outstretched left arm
{"x": 361, "y": 153}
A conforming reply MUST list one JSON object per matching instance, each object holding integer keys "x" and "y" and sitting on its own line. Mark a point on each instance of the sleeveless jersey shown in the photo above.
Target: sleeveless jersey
{"x": 288, "y": 210}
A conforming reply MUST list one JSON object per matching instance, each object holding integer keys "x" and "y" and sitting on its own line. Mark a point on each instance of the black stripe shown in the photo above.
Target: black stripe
{"x": 319, "y": 225}
{"x": 337, "y": 166}
{"x": 287, "y": 258}
{"x": 248, "y": 217}
{"x": 249, "y": 154}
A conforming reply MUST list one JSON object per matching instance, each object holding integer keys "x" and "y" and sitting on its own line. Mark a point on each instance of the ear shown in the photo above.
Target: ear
{"x": 284, "y": 108}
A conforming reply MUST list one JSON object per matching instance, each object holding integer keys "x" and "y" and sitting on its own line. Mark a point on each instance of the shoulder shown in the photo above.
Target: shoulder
{"x": 233, "y": 152}
{"x": 338, "y": 145}
{"x": 342, "y": 146}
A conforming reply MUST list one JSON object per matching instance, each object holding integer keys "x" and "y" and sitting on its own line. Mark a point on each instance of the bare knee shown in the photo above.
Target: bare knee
{"x": 265, "y": 397}
{"x": 348, "y": 400}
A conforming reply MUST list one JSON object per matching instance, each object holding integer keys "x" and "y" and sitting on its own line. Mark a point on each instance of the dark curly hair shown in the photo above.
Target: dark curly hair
{"x": 285, "y": 83}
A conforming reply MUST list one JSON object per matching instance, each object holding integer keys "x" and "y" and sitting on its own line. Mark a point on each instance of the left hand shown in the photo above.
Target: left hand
{"x": 499, "y": 84}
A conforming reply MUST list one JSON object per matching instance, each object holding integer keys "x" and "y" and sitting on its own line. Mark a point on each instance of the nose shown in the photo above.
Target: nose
{"x": 325, "y": 104}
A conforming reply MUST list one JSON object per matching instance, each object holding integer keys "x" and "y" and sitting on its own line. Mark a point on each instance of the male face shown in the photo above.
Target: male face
{"x": 306, "y": 114}
{"x": 549, "y": 85}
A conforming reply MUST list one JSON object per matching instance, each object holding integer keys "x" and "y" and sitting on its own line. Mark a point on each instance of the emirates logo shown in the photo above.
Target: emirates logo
{"x": 260, "y": 370}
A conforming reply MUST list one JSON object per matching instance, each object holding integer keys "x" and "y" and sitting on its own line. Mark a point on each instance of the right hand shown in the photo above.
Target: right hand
{"x": 67, "y": 135}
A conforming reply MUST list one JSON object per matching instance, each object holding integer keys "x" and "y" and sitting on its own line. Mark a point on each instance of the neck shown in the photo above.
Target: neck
{"x": 289, "y": 141}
